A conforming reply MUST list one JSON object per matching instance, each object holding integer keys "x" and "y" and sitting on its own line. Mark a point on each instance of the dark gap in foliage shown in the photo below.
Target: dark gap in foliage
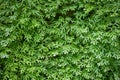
{"x": 89, "y": 15}
{"x": 58, "y": 15}
{"x": 2, "y": 66}
{"x": 19, "y": 1}
{"x": 112, "y": 26}
{"x": 69, "y": 13}
{"x": 43, "y": 75}
{"x": 23, "y": 38}
{"x": 48, "y": 20}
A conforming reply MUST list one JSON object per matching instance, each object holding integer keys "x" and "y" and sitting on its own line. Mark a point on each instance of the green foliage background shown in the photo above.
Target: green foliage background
{"x": 60, "y": 39}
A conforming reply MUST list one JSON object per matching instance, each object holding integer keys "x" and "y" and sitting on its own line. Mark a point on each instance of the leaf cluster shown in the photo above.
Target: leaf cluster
{"x": 60, "y": 39}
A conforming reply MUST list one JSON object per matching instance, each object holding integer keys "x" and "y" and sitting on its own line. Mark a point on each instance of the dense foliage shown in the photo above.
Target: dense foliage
{"x": 60, "y": 39}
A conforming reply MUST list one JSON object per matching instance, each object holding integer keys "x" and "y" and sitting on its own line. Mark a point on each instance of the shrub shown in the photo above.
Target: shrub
{"x": 60, "y": 39}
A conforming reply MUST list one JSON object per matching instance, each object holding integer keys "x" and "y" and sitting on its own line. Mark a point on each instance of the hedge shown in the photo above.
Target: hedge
{"x": 60, "y": 39}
